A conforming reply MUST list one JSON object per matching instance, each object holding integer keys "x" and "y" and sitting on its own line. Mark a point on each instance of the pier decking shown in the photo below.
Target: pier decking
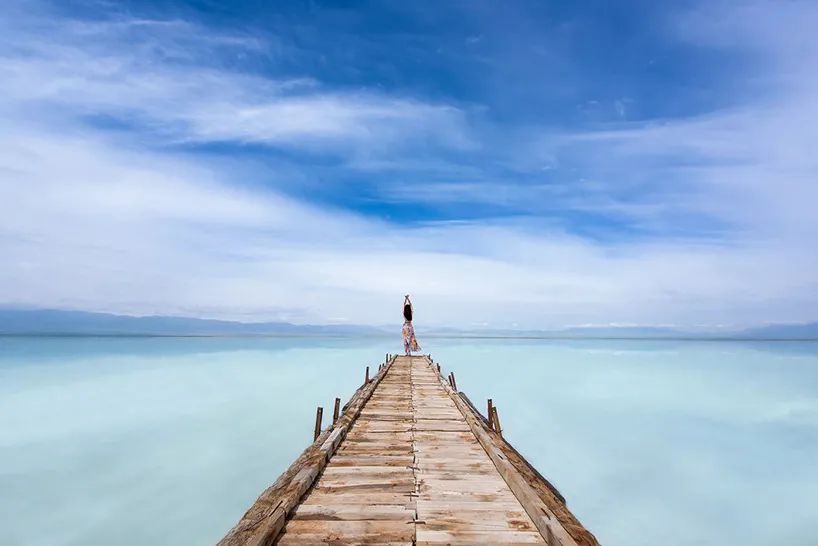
{"x": 409, "y": 462}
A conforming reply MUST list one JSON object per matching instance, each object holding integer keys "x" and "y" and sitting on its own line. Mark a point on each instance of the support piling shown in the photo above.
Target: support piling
{"x": 336, "y": 411}
{"x": 319, "y": 414}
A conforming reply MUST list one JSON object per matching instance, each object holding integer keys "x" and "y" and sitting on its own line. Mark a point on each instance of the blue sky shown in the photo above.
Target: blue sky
{"x": 530, "y": 164}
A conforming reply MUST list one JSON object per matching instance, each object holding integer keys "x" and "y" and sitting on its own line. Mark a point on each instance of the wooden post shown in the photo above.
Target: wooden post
{"x": 454, "y": 383}
{"x": 337, "y": 411}
{"x": 489, "y": 406}
{"x": 438, "y": 369}
{"x": 318, "y": 417}
{"x": 497, "y": 428}
{"x": 366, "y": 377}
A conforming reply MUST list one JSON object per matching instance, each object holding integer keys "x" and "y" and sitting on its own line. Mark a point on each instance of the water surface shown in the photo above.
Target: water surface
{"x": 167, "y": 441}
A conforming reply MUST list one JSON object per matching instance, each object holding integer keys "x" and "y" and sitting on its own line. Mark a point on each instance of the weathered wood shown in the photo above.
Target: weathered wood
{"x": 549, "y": 494}
{"x": 344, "y": 512}
{"x": 366, "y": 377}
{"x": 529, "y": 476}
{"x": 330, "y": 531}
{"x": 262, "y": 523}
{"x": 461, "y": 499}
{"x": 410, "y": 461}
{"x": 495, "y": 419}
{"x": 410, "y": 420}
{"x": 319, "y": 414}
{"x": 536, "y": 509}
{"x": 489, "y": 406}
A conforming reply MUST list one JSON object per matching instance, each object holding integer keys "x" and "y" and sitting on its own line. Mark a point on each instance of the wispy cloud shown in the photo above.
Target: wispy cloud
{"x": 704, "y": 219}
{"x": 173, "y": 79}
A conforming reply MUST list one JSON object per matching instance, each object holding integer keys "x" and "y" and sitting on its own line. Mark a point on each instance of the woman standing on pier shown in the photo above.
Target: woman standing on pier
{"x": 410, "y": 342}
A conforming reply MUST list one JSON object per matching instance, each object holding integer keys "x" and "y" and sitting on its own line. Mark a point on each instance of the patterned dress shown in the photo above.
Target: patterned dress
{"x": 410, "y": 342}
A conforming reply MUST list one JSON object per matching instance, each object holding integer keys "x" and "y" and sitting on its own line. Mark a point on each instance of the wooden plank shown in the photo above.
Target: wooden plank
{"x": 368, "y": 498}
{"x": 430, "y": 506}
{"x": 440, "y": 425}
{"x": 460, "y": 492}
{"x": 469, "y": 537}
{"x": 408, "y": 468}
{"x": 358, "y": 531}
{"x": 312, "y": 540}
{"x": 366, "y": 468}
{"x": 488, "y": 519}
{"x": 347, "y": 512}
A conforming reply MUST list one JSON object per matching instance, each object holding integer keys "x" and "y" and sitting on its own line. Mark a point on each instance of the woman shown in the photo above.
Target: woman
{"x": 410, "y": 342}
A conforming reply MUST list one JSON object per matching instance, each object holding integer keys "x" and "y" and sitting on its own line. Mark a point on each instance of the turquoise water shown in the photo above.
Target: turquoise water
{"x": 166, "y": 441}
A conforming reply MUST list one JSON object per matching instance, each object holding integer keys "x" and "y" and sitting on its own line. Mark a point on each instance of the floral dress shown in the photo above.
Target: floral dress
{"x": 410, "y": 342}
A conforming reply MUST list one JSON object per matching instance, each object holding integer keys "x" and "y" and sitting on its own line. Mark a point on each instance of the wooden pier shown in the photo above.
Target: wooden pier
{"x": 410, "y": 461}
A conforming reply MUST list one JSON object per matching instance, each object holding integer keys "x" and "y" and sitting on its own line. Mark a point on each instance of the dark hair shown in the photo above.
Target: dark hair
{"x": 407, "y": 312}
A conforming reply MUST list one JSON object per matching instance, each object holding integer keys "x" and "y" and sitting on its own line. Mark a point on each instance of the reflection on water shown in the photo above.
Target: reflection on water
{"x": 167, "y": 441}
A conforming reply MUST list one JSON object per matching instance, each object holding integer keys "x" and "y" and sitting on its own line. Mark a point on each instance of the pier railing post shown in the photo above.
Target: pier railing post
{"x": 497, "y": 427}
{"x": 337, "y": 411}
{"x": 366, "y": 377}
{"x": 319, "y": 414}
{"x": 489, "y": 406}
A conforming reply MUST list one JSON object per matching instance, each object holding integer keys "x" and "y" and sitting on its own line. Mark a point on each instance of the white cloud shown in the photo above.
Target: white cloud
{"x": 98, "y": 228}
{"x": 163, "y": 77}
{"x": 92, "y": 219}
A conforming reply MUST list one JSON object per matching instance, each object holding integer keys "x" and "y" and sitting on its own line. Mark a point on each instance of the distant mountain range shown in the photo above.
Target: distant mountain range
{"x": 773, "y": 332}
{"x": 58, "y": 322}
{"x": 784, "y": 331}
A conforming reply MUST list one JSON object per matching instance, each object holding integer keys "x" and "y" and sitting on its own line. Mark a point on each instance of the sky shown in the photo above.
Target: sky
{"x": 511, "y": 165}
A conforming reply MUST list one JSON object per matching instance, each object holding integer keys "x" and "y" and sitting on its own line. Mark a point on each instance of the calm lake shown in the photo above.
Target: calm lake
{"x": 167, "y": 441}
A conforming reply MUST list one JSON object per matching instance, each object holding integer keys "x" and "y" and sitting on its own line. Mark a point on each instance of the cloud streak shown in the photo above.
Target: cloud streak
{"x": 108, "y": 203}
{"x": 167, "y": 86}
